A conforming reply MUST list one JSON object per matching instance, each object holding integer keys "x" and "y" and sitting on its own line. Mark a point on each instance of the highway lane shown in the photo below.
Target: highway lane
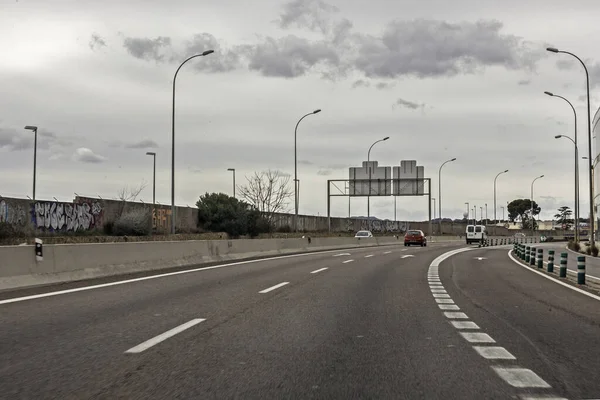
{"x": 71, "y": 345}
{"x": 549, "y": 329}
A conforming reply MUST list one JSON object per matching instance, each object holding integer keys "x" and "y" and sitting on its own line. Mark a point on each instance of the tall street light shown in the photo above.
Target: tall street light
{"x": 173, "y": 219}
{"x": 576, "y": 208}
{"x": 233, "y": 170}
{"x": 433, "y": 199}
{"x": 591, "y": 189}
{"x": 532, "y": 219}
{"x": 34, "y": 130}
{"x": 369, "y": 195}
{"x": 468, "y": 212}
{"x": 486, "y": 216}
{"x": 503, "y": 172}
{"x": 440, "y": 191}
{"x": 576, "y": 184}
{"x": 502, "y": 207}
{"x": 296, "y": 200}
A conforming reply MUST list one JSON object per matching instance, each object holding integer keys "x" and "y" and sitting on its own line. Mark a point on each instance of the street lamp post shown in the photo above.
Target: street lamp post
{"x": 440, "y": 191}
{"x": 502, "y": 207}
{"x": 233, "y": 170}
{"x": 486, "y": 215}
{"x": 173, "y": 219}
{"x": 433, "y": 199}
{"x": 296, "y": 168}
{"x": 503, "y": 172}
{"x": 591, "y": 186}
{"x": 576, "y": 184}
{"x": 369, "y": 194}
{"x": 532, "y": 219}
{"x": 576, "y": 208}
{"x": 34, "y": 130}
{"x": 468, "y": 212}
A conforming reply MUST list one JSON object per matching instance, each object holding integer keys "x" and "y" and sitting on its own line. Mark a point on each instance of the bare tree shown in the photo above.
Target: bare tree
{"x": 129, "y": 193}
{"x": 269, "y": 191}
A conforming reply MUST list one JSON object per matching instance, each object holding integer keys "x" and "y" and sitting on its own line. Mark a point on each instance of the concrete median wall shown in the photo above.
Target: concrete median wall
{"x": 72, "y": 262}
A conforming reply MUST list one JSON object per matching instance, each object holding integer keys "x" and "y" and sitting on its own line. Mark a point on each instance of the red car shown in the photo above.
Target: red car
{"x": 415, "y": 237}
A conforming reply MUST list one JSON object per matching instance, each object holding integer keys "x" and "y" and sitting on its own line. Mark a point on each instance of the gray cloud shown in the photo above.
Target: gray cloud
{"x": 305, "y": 162}
{"x": 360, "y": 83}
{"x": 524, "y": 82}
{"x": 86, "y": 155}
{"x": 431, "y": 48}
{"x": 385, "y": 85}
{"x": 12, "y": 140}
{"x": 311, "y": 14}
{"x": 221, "y": 61}
{"x": 143, "y": 144}
{"x": 290, "y": 56}
{"x": 96, "y": 42}
{"x": 336, "y": 166}
{"x": 409, "y": 104}
{"x": 147, "y": 49}
{"x": 565, "y": 64}
{"x": 324, "y": 172}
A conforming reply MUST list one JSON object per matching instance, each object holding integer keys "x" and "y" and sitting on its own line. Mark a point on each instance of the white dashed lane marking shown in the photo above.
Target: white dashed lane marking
{"x": 318, "y": 270}
{"x": 441, "y": 295}
{"x": 433, "y": 290}
{"x": 448, "y": 307}
{"x": 386, "y": 252}
{"x": 494, "y": 353}
{"x": 347, "y": 261}
{"x": 444, "y": 301}
{"x": 464, "y": 325}
{"x": 267, "y": 290}
{"x": 521, "y": 377}
{"x": 369, "y": 255}
{"x": 456, "y": 315}
{"x": 164, "y": 336}
{"x": 477, "y": 337}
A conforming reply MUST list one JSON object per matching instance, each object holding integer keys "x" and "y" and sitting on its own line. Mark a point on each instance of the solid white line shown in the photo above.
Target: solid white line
{"x": 347, "y": 261}
{"x": 494, "y": 353}
{"x": 167, "y": 274}
{"x": 453, "y": 307}
{"x": 456, "y": 315}
{"x": 437, "y": 261}
{"x": 593, "y": 296}
{"x": 369, "y": 255}
{"x": 441, "y": 295}
{"x": 341, "y": 254}
{"x": 163, "y": 336}
{"x": 267, "y": 290}
{"x": 464, "y": 324}
{"x": 521, "y": 377}
{"x": 476, "y": 337}
{"x": 319, "y": 270}
{"x": 444, "y": 301}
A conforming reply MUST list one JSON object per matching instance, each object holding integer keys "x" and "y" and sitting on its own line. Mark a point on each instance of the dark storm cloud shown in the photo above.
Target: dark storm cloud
{"x": 96, "y": 42}
{"x": 311, "y": 14}
{"x": 148, "y": 49}
{"x": 143, "y": 144}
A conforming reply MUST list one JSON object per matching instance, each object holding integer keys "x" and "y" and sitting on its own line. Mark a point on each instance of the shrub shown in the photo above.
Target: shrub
{"x": 595, "y": 251}
{"x": 574, "y": 245}
{"x": 136, "y": 222}
{"x": 6, "y": 230}
{"x": 108, "y": 227}
{"x": 588, "y": 251}
{"x": 284, "y": 229}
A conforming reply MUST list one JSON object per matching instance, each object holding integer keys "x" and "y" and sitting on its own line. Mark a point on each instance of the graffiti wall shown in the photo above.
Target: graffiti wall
{"x": 14, "y": 212}
{"x": 67, "y": 217}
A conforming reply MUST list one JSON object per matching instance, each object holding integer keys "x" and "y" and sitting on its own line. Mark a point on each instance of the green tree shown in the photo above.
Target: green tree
{"x": 563, "y": 217}
{"x": 519, "y": 210}
{"x": 218, "y": 212}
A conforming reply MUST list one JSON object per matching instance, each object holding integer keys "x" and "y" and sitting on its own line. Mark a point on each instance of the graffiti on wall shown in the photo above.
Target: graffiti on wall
{"x": 161, "y": 218}
{"x": 382, "y": 226}
{"x": 13, "y": 214}
{"x": 55, "y": 216}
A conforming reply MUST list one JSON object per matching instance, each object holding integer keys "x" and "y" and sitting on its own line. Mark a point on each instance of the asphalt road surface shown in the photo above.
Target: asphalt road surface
{"x": 378, "y": 323}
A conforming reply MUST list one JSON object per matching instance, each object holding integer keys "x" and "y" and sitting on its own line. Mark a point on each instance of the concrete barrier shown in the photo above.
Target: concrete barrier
{"x": 72, "y": 262}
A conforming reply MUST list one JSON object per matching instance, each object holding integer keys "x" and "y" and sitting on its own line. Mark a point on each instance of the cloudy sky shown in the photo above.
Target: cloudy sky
{"x": 443, "y": 79}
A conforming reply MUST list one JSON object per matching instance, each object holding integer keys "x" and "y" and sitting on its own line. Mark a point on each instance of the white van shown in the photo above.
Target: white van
{"x": 475, "y": 233}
